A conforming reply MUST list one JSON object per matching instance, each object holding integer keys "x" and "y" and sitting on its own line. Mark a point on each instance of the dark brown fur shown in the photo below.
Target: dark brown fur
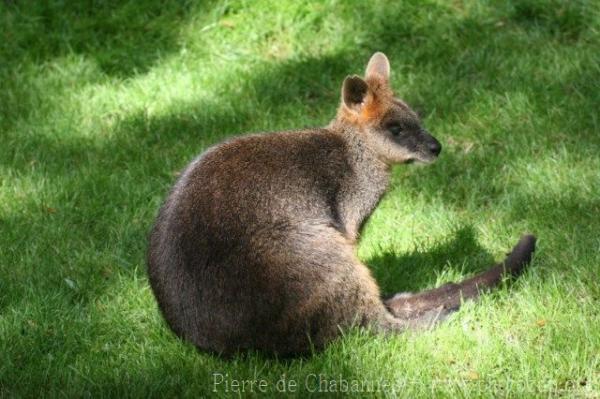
{"x": 254, "y": 247}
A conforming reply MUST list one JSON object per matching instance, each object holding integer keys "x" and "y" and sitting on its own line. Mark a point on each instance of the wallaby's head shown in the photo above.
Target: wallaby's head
{"x": 386, "y": 123}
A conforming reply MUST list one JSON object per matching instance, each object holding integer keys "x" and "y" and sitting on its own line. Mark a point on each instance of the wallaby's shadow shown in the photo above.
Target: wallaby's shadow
{"x": 419, "y": 269}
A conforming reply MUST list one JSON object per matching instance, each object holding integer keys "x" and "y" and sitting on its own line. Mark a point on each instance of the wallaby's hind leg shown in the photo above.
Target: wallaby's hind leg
{"x": 447, "y": 298}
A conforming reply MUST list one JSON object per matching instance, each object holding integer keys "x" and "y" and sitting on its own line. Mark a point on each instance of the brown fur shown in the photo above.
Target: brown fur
{"x": 254, "y": 247}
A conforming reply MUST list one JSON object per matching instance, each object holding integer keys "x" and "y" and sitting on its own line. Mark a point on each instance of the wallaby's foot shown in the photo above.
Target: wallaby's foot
{"x": 425, "y": 320}
{"x": 447, "y": 298}
{"x": 428, "y": 319}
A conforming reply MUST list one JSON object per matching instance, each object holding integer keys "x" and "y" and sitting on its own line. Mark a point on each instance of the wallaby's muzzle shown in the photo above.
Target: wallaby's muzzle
{"x": 429, "y": 147}
{"x": 431, "y": 143}
{"x": 434, "y": 146}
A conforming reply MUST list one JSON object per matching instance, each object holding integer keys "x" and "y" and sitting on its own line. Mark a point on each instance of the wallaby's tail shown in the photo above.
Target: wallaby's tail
{"x": 447, "y": 298}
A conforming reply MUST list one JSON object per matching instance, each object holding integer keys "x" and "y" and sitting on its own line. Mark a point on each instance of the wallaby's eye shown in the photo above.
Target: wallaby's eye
{"x": 395, "y": 129}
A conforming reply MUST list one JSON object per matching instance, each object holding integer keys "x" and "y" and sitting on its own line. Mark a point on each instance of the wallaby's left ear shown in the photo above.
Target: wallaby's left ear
{"x": 354, "y": 92}
{"x": 378, "y": 65}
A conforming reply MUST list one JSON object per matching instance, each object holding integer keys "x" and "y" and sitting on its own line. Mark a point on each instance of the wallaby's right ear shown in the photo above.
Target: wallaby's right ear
{"x": 354, "y": 92}
{"x": 378, "y": 65}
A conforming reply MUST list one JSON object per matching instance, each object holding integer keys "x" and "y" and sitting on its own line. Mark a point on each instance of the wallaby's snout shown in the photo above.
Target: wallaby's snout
{"x": 417, "y": 145}
{"x": 432, "y": 144}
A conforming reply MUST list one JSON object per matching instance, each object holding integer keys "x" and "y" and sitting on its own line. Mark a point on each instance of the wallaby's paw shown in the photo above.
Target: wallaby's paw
{"x": 429, "y": 319}
{"x": 401, "y": 306}
{"x": 412, "y": 307}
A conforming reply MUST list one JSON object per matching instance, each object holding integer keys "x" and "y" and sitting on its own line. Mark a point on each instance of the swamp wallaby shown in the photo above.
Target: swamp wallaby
{"x": 254, "y": 247}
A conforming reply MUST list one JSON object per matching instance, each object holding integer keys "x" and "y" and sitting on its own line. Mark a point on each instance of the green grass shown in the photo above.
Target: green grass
{"x": 102, "y": 103}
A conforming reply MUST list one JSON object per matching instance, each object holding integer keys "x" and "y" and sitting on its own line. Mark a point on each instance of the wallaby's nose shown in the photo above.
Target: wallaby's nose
{"x": 435, "y": 147}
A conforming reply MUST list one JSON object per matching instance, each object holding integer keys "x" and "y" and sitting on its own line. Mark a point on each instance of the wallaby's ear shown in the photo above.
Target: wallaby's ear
{"x": 354, "y": 91}
{"x": 378, "y": 65}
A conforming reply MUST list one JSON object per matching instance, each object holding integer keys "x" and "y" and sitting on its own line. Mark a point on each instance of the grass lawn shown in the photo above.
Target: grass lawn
{"x": 102, "y": 104}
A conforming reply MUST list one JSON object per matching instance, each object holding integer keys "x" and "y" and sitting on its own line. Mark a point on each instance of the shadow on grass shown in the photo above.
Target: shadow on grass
{"x": 123, "y": 37}
{"x": 419, "y": 269}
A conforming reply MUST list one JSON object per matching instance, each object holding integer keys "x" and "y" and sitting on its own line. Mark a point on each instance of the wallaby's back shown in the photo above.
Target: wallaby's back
{"x": 245, "y": 239}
